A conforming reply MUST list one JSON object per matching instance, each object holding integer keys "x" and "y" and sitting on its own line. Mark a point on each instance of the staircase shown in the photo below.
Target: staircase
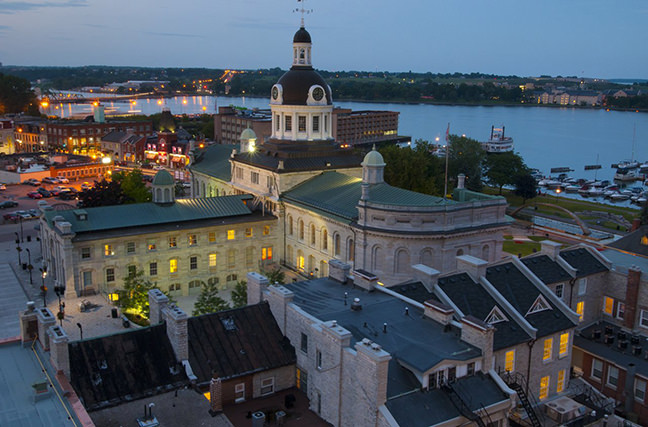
{"x": 461, "y": 404}
{"x": 517, "y": 382}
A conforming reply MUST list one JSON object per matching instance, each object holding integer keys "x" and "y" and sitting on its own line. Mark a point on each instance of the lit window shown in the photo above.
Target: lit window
{"x": 300, "y": 262}
{"x": 110, "y": 275}
{"x": 150, "y": 245}
{"x": 561, "y": 381}
{"x": 620, "y": 310}
{"x": 509, "y": 361}
{"x": 172, "y": 242}
{"x": 266, "y": 253}
{"x": 580, "y": 308}
{"x": 548, "y": 347}
{"x": 544, "y": 387}
{"x": 130, "y": 247}
{"x": 559, "y": 290}
{"x": 212, "y": 260}
{"x": 193, "y": 263}
{"x": 153, "y": 269}
{"x": 173, "y": 266}
{"x": 211, "y": 237}
{"x": 640, "y": 389}
{"x": 266, "y": 230}
{"x": 597, "y": 369}
{"x": 248, "y": 232}
{"x": 608, "y": 305}
{"x": 193, "y": 240}
{"x": 613, "y": 376}
{"x": 108, "y": 250}
{"x": 564, "y": 344}
{"x": 231, "y": 234}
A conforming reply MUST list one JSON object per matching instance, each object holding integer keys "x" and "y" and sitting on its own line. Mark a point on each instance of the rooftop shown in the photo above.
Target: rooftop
{"x": 635, "y": 242}
{"x": 214, "y": 161}
{"x": 547, "y": 270}
{"x": 584, "y": 262}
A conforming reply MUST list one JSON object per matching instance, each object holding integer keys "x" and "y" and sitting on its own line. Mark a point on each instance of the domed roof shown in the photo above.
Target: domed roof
{"x": 162, "y": 177}
{"x": 302, "y": 36}
{"x": 297, "y": 82}
{"x": 373, "y": 158}
{"x": 248, "y": 134}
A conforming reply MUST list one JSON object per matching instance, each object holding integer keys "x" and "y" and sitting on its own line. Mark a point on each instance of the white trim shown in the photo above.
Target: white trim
{"x": 495, "y": 316}
{"x": 540, "y": 304}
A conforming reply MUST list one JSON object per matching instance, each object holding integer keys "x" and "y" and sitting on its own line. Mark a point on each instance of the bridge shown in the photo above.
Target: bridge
{"x": 579, "y": 222}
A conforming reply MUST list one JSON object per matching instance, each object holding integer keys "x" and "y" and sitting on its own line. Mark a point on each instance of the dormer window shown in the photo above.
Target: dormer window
{"x": 540, "y": 304}
{"x": 495, "y": 316}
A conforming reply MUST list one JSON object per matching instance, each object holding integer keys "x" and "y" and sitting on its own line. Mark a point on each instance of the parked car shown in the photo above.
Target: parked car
{"x": 67, "y": 195}
{"x": 158, "y": 167}
{"x": 8, "y": 204}
{"x": 63, "y": 180}
{"x": 43, "y": 192}
{"x": 23, "y": 214}
{"x": 12, "y": 216}
{"x": 35, "y": 213}
{"x": 31, "y": 181}
{"x": 86, "y": 186}
{"x": 3, "y": 187}
{"x": 56, "y": 190}
{"x": 49, "y": 180}
{"x": 34, "y": 195}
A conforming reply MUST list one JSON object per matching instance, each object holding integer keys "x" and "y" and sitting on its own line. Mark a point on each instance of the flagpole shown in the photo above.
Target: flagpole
{"x": 447, "y": 150}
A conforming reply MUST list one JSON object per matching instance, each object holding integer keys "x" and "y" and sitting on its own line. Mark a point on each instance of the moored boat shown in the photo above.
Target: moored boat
{"x": 498, "y": 142}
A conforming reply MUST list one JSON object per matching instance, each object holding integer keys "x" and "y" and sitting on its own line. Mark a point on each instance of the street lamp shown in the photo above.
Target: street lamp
{"x": 30, "y": 267}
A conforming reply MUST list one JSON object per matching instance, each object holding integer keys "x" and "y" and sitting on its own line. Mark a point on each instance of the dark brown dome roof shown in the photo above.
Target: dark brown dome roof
{"x": 302, "y": 36}
{"x": 298, "y": 81}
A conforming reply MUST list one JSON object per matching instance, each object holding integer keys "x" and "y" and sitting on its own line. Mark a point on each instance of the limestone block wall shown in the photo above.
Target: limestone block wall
{"x": 284, "y": 378}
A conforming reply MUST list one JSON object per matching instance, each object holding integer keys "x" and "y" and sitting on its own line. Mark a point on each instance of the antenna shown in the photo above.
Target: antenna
{"x": 302, "y": 10}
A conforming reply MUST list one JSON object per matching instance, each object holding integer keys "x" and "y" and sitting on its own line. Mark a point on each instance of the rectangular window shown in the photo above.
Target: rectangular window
{"x": 561, "y": 381}
{"x": 132, "y": 271}
{"x": 612, "y": 376}
{"x": 509, "y": 361}
{"x": 266, "y": 253}
{"x": 318, "y": 359}
{"x": 544, "y": 387}
{"x": 130, "y": 247}
{"x": 302, "y": 123}
{"x": 153, "y": 269}
{"x": 254, "y": 177}
{"x": 608, "y": 305}
{"x": 548, "y": 347}
{"x": 248, "y": 232}
{"x": 269, "y": 181}
{"x": 266, "y": 230}
{"x": 580, "y": 309}
{"x": 559, "y": 290}
{"x": 192, "y": 240}
{"x": 325, "y": 123}
{"x": 267, "y": 386}
{"x": 85, "y": 253}
{"x": 231, "y": 258}
{"x": 620, "y": 310}
{"x": 564, "y": 344}
{"x": 173, "y": 266}
{"x": 109, "y": 250}
{"x": 211, "y": 237}
{"x": 432, "y": 381}
{"x": 640, "y": 389}
{"x": 597, "y": 369}
{"x": 315, "y": 123}
{"x": 304, "y": 343}
{"x": 288, "y": 121}
{"x": 277, "y": 122}
{"x": 150, "y": 245}
{"x": 110, "y": 275}
{"x": 212, "y": 260}
{"x": 643, "y": 318}
{"x": 173, "y": 242}
{"x": 582, "y": 286}
{"x": 249, "y": 256}
{"x": 193, "y": 263}
{"x": 231, "y": 234}
{"x": 471, "y": 368}
{"x": 452, "y": 374}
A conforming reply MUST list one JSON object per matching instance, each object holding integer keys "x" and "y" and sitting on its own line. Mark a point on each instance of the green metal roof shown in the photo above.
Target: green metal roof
{"x": 214, "y": 161}
{"x": 162, "y": 177}
{"x": 331, "y": 192}
{"x": 394, "y": 196}
{"x": 143, "y": 214}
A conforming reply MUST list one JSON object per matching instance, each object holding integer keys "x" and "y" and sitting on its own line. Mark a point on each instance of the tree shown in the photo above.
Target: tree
{"x": 239, "y": 294}
{"x": 526, "y": 187}
{"x": 16, "y": 96}
{"x": 503, "y": 169}
{"x": 134, "y": 296}
{"x": 466, "y": 156}
{"x": 133, "y": 186}
{"x": 275, "y": 276}
{"x": 415, "y": 169}
{"x": 209, "y": 301}
{"x": 104, "y": 193}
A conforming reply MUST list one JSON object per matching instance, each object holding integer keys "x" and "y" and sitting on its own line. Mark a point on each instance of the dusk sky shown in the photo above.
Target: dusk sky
{"x": 591, "y": 38}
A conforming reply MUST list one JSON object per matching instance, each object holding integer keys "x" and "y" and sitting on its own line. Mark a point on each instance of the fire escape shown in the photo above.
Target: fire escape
{"x": 458, "y": 397}
{"x": 518, "y": 383}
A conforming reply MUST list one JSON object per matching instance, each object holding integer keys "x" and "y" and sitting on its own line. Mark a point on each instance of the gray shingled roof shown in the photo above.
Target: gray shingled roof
{"x": 143, "y": 214}
{"x": 214, "y": 161}
{"x": 632, "y": 242}
{"x": 584, "y": 262}
{"x": 547, "y": 270}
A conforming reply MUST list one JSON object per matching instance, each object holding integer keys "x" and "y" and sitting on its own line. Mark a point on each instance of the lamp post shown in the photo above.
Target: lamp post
{"x": 80, "y": 329}
{"x": 30, "y": 267}
{"x": 18, "y": 249}
{"x": 22, "y": 236}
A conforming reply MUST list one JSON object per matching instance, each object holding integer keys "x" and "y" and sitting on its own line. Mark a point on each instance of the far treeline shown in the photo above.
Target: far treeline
{"x": 418, "y": 169}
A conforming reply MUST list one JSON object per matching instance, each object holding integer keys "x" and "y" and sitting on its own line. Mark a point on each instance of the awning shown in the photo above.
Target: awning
{"x": 177, "y": 159}
{"x": 151, "y": 155}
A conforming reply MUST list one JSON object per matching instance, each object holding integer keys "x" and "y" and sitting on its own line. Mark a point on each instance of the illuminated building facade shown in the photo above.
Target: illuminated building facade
{"x": 84, "y": 138}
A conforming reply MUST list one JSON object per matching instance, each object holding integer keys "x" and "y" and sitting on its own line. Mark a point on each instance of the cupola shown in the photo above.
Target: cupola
{"x": 163, "y": 188}
{"x": 373, "y": 167}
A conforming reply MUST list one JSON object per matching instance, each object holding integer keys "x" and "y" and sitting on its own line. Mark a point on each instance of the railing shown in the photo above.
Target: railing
{"x": 518, "y": 383}
{"x": 456, "y": 395}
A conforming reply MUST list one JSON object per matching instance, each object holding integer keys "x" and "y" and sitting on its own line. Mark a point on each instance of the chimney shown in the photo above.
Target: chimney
{"x": 45, "y": 320}
{"x": 216, "y": 396}
{"x": 176, "y": 326}
{"x": 461, "y": 181}
{"x": 632, "y": 296}
{"x": 365, "y": 280}
{"x": 339, "y": 271}
{"x": 479, "y": 334}
{"x": 636, "y": 223}
{"x": 550, "y": 248}
{"x": 28, "y": 323}
{"x": 475, "y": 267}
{"x": 157, "y": 302}
{"x": 59, "y": 355}
{"x": 426, "y": 275}
{"x": 256, "y": 286}
{"x": 438, "y": 311}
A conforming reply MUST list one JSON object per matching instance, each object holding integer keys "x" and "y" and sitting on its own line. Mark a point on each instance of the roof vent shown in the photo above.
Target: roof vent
{"x": 355, "y": 305}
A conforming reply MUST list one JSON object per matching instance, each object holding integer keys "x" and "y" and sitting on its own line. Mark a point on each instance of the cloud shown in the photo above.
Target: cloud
{"x": 3, "y": 28}
{"x": 12, "y": 7}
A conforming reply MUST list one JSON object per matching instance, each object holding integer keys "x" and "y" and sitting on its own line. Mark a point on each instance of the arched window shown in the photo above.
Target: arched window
{"x": 402, "y": 261}
{"x": 290, "y": 225}
{"x": 312, "y": 234}
{"x": 203, "y": 190}
{"x": 427, "y": 257}
{"x": 324, "y": 239}
{"x": 460, "y": 252}
{"x": 158, "y": 194}
{"x": 167, "y": 195}
{"x": 336, "y": 244}
{"x": 301, "y": 230}
{"x": 377, "y": 259}
{"x": 350, "y": 250}
{"x": 289, "y": 256}
{"x": 211, "y": 191}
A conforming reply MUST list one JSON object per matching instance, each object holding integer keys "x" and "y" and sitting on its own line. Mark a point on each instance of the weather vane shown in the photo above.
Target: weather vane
{"x": 302, "y": 10}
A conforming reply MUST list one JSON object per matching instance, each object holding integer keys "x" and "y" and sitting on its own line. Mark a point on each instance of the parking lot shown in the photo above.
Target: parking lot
{"x": 18, "y": 193}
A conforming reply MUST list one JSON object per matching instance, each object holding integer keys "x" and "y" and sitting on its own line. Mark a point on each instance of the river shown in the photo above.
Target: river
{"x": 545, "y": 137}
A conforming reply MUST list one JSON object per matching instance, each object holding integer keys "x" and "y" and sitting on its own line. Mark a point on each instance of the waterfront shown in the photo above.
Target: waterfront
{"x": 545, "y": 137}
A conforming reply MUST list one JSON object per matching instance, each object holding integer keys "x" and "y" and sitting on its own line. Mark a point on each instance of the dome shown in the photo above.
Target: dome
{"x": 373, "y": 158}
{"x": 248, "y": 134}
{"x": 302, "y": 36}
{"x": 162, "y": 177}
{"x": 297, "y": 82}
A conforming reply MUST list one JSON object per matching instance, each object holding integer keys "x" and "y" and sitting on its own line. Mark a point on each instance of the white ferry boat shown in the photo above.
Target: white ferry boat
{"x": 498, "y": 142}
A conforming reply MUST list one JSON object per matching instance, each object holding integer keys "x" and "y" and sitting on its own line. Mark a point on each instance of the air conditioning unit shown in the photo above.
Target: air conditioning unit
{"x": 258, "y": 419}
{"x": 564, "y": 409}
